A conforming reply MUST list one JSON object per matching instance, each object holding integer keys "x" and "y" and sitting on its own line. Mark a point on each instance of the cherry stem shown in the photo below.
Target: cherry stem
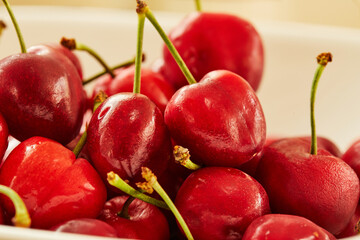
{"x": 16, "y": 25}
{"x": 71, "y": 44}
{"x": 198, "y": 5}
{"x": 151, "y": 180}
{"x": 114, "y": 180}
{"x": 2, "y": 26}
{"x": 121, "y": 65}
{"x": 182, "y": 157}
{"x": 124, "y": 213}
{"x": 140, "y": 37}
{"x": 22, "y": 217}
{"x": 149, "y": 15}
{"x": 99, "y": 99}
{"x": 322, "y": 60}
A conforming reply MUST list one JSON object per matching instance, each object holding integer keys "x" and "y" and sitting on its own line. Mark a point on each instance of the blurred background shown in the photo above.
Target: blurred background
{"x": 327, "y": 12}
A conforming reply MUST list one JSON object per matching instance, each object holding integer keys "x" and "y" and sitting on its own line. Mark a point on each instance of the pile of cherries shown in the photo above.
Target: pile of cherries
{"x": 89, "y": 164}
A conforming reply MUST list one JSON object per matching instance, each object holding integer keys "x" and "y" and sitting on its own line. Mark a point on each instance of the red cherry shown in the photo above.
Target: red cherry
{"x": 352, "y": 157}
{"x": 219, "y": 203}
{"x": 4, "y": 133}
{"x": 128, "y": 132}
{"x": 146, "y": 221}
{"x": 42, "y": 49}
{"x": 281, "y": 226}
{"x": 54, "y": 185}
{"x": 219, "y": 119}
{"x": 87, "y": 226}
{"x": 352, "y": 228}
{"x": 41, "y": 101}
{"x": 212, "y": 41}
{"x": 321, "y": 188}
{"x": 153, "y": 85}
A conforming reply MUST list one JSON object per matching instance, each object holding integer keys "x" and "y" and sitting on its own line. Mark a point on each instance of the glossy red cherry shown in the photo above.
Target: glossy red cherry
{"x": 219, "y": 119}
{"x": 219, "y": 202}
{"x": 212, "y": 41}
{"x": 42, "y": 49}
{"x": 128, "y": 132}
{"x": 281, "y": 226}
{"x": 153, "y": 85}
{"x": 321, "y": 188}
{"x": 352, "y": 156}
{"x": 4, "y": 133}
{"x": 87, "y": 226}
{"x": 146, "y": 221}
{"x": 54, "y": 185}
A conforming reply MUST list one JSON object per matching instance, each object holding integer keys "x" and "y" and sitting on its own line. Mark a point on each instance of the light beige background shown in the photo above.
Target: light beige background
{"x": 328, "y": 12}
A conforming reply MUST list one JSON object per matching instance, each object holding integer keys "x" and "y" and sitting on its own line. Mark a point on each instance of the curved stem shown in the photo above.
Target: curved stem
{"x": 152, "y": 181}
{"x": 198, "y": 5}
{"x": 116, "y": 181}
{"x": 16, "y": 25}
{"x": 22, "y": 217}
{"x": 322, "y": 59}
{"x": 189, "y": 77}
{"x": 124, "y": 213}
{"x": 140, "y": 37}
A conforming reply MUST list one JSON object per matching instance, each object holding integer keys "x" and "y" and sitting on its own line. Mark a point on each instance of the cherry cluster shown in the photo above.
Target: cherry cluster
{"x": 90, "y": 164}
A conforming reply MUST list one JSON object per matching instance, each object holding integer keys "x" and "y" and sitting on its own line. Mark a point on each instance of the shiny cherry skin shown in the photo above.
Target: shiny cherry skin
{"x": 212, "y": 41}
{"x": 43, "y": 48}
{"x": 54, "y": 186}
{"x": 153, "y": 85}
{"x": 12, "y": 143}
{"x": 146, "y": 221}
{"x": 220, "y": 202}
{"x": 285, "y": 227}
{"x": 41, "y": 95}
{"x": 321, "y": 188}
{"x": 352, "y": 157}
{"x": 219, "y": 119}
{"x": 87, "y": 226}
{"x": 4, "y": 134}
{"x": 128, "y": 132}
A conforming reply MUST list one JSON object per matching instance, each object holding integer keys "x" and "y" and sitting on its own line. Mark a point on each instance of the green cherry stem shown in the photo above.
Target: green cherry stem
{"x": 22, "y": 217}
{"x": 72, "y": 44}
{"x": 151, "y": 182}
{"x": 322, "y": 60}
{"x": 16, "y": 25}
{"x": 114, "y": 180}
{"x": 139, "y": 45}
{"x": 149, "y": 15}
{"x": 182, "y": 156}
{"x": 121, "y": 65}
{"x": 99, "y": 99}
{"x": 198, "y": 5}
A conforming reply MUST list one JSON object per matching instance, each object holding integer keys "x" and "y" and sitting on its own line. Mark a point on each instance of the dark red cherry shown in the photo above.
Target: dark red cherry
{"x": 128, "y": 132}
{"x": 87, "y": 226}
{"x": 282, "y": 226}
{"x": 321, "y": 187}
{"x": 4, "y": 133}
{"x": 219, "y": 202}
{"x": 219, "y": 119}
{"x": 54, "y": 186}
{"x": 213, "y": 41}
{"x": 153, "y": 85}
{"x": 145, "y": 220}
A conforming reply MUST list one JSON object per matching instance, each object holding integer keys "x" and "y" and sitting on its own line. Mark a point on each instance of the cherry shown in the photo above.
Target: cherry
{"x": 352, "y": 228}
{"x": 144, "y": 221}
{"x": 87, "y": 226}
{"x": 281, "y": 226}
{"x": 37, "y": 100}
{"x": 212, "y": 41}
{"x": 54, "y": 185}
{"x": 4, "y": 133}
{"x": 315, "y": 184}
{"x": 127, "y": 131}
{"x": 352, "y": 156}
{"x": 153, "y": 85}
{"x": 219, "y": 202}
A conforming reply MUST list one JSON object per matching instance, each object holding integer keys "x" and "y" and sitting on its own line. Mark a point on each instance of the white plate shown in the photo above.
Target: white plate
{"x": 291, "y": 51}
